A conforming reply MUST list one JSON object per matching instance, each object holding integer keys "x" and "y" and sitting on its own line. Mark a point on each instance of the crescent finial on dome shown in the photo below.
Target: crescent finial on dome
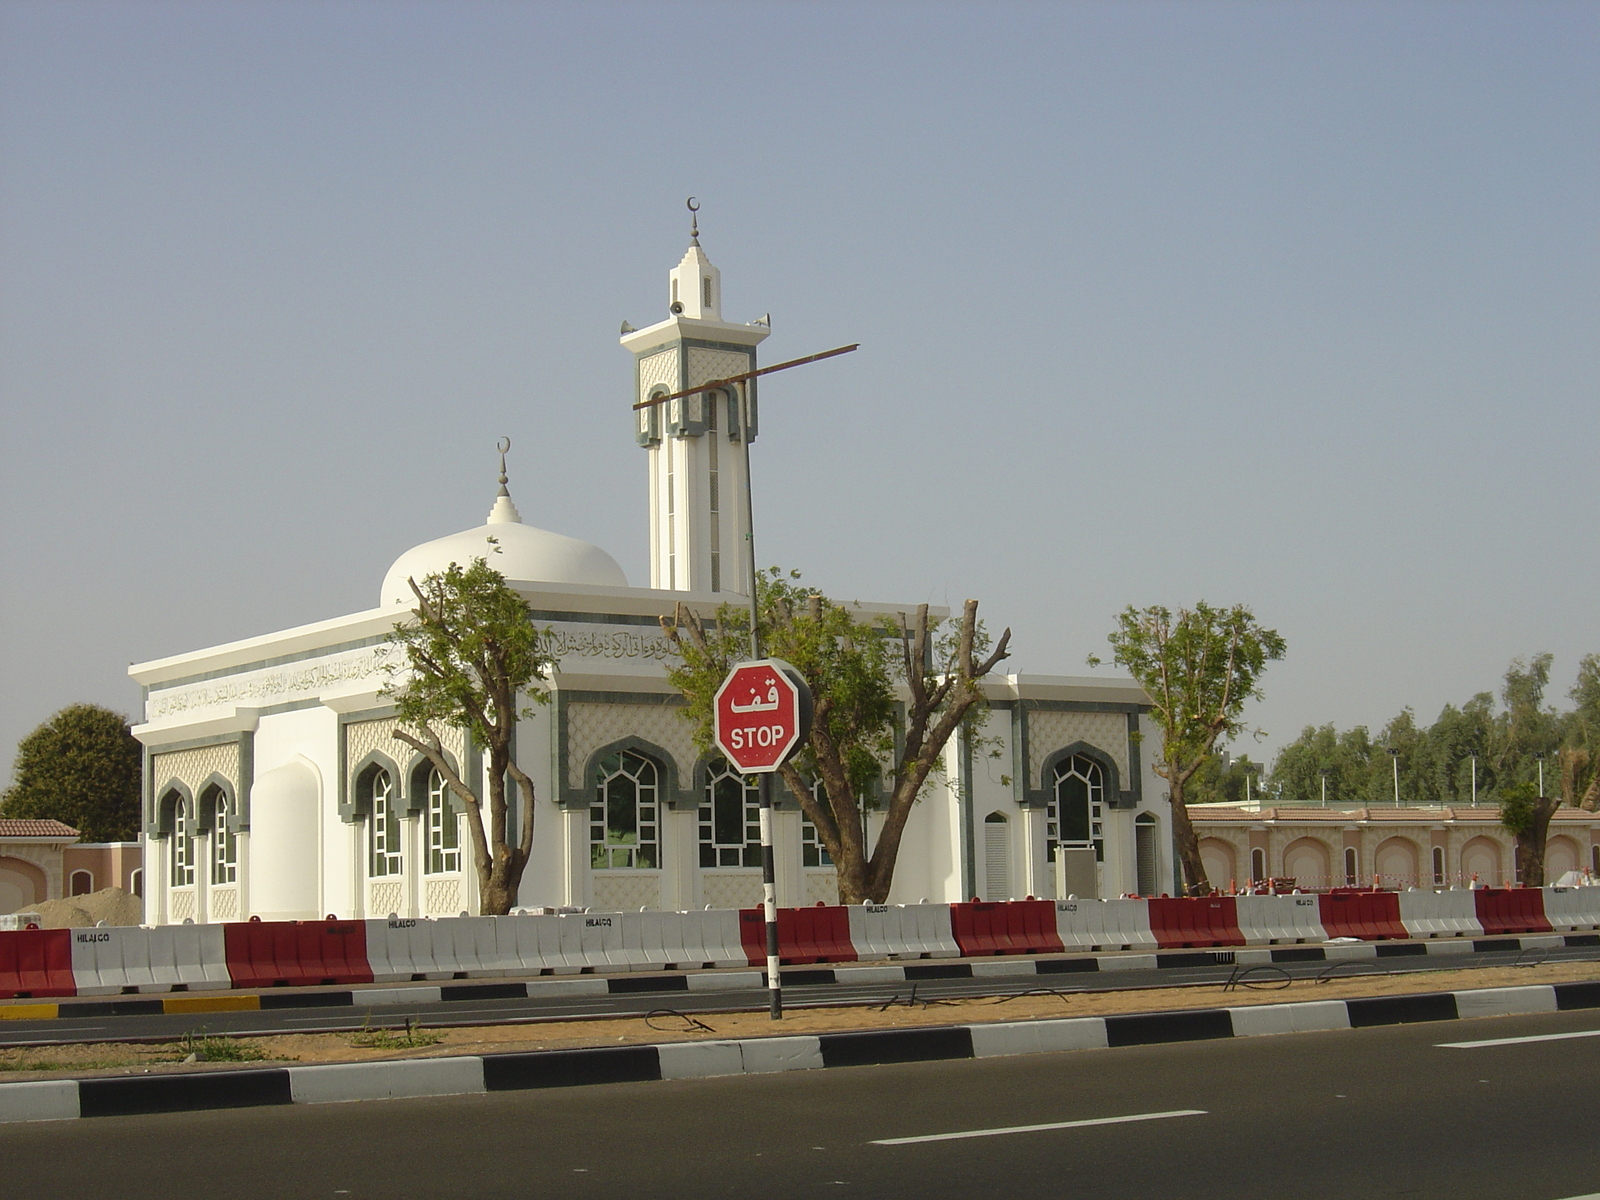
{"x": 504, "y": 511}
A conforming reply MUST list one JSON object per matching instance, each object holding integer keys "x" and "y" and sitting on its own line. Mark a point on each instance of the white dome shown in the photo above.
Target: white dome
{"x": 520, "y": 552}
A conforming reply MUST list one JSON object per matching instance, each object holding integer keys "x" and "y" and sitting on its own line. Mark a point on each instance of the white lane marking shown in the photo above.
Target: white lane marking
{"x": 976, "y": 1133}
{"x": 1517, "y": 1041}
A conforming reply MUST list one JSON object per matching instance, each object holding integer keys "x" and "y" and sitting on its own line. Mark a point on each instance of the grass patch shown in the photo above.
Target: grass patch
{"x": 218, "y": 1049}
{"x": 411, "y": 1038}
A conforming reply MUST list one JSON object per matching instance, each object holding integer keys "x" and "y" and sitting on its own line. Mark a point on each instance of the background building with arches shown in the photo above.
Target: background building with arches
{"x": 44, "y": 860}
{"x": 1321, "y": 848}
{"x": 274, "y": 785}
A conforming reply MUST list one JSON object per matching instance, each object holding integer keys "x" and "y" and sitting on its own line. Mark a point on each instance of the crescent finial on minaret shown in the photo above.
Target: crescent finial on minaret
{"x": 694, "y": 221}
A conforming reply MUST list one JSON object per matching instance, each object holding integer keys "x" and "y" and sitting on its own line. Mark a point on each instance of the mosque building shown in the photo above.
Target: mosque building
{"x": 274, "y": 786}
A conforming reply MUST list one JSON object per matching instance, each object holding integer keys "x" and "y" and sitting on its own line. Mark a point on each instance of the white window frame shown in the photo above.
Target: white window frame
{"x": 728, "y": 855}
{"x": 182, "y": 845}
{"x": 444, "y": 828}
{"x": 615, "y": 849}
{"x": 1093, "y": 776}
{"x": 224, "y": 839}
{"x": 386, "y": 858}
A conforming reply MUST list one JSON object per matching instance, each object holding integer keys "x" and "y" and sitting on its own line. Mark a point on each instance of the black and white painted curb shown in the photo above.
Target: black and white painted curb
{"x": 253, "y": 1087}
{"x": 577, "y": 986}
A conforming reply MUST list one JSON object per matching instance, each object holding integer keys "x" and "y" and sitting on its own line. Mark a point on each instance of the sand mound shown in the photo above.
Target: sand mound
{"x": 111, "y": 905}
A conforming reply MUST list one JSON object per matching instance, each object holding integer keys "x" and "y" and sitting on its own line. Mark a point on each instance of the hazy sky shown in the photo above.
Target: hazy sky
{"x": 1288, "y": 304}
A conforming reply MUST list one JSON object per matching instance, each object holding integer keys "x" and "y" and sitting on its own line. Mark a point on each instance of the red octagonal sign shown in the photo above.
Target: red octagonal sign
{"x": 762, "y": 714}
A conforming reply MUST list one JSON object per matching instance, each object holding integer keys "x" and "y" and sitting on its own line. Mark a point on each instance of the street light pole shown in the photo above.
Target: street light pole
{"x": 1325, "y": 772}
{"x": 1539, "y": 755}
{"x": 1474, "y": 755}
{"x": 769, "y": 873}
{"x": 1394, "y": 757}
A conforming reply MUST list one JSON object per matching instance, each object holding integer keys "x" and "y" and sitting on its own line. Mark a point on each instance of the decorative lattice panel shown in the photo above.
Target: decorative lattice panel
{"x": 224, "y": 904}
{"x": 442, "y": 897}
{"x": 181, "y": 902}
{"x": 822, "y": 886}
{"x": 1052, "y": 731}
{"x": 363, "y": 737}
{"x": 627, "y": 891}
{"x": 194, "y": 767}
{"x": 659, "y": 369}
{"x": 707, "y": 365}
{"x": 730, "y": 889}
{"x": 591, "y": 726}
{"x": 385, "y": 896}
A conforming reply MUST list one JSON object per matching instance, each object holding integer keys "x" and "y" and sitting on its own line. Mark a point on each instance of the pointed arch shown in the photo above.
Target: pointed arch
{"x": 1108, "y": 766}
{"x": 167, "y": 797}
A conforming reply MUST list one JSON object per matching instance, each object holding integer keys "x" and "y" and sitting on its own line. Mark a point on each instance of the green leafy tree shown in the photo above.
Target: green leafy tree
{"x": 1198, "y": 668}
{"x": 918, "y": 678}
{"x": 81, "y": 767}
{"x": 1528, "y": 731}
{"x": 1580, "y": 752}
{"x": 471, "y": 649}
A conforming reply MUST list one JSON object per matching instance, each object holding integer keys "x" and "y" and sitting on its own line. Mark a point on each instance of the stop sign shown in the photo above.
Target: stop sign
{"x": 762, "y": 714}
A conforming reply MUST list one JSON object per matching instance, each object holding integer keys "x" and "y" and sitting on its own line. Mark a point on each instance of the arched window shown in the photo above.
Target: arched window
{"x": 136, "y": 882}
{"x": 1438, "y": 865}
{"x": 1145, "y": 857}
{"x": 224, "y": 836}
{"x": 386, "y": 857}
{"x": 82, "y": 883}
{"x": 1352, "y": 867}
{"x": 1072, "y": 817}
{"x": 730, "y": 819}
{"x": 622, "y": 819}
{"x": 1258, "y": 865}
{"x": 444, "y": 828}
{"x": 182, "y": 843}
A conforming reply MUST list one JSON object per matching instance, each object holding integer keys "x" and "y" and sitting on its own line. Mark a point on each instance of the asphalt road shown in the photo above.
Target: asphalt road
{"x": 1205, "y": 980}
{"x": 1384, "y": 1112}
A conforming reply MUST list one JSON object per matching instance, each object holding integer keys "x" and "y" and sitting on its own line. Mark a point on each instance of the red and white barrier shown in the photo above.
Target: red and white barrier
{"x": 1264, "y": 920}
{"x": 1444, "y": 914}
{"x": 1570, "y": 909}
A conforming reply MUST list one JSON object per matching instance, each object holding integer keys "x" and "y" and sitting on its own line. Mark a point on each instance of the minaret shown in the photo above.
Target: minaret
{"x": 697, "y": 481}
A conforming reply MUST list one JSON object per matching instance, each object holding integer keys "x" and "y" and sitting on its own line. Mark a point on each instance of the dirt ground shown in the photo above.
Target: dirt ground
{"x": 111, "y": 905}
{"x": 100, "y": 1059}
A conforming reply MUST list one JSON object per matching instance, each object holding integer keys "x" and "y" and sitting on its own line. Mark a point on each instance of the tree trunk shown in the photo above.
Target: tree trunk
{"x": 1531, "y": 844}
{"x": 1195, "y": 882}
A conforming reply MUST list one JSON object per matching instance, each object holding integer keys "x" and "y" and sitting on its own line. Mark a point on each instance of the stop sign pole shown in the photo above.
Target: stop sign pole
{"x": 769, "y": 889}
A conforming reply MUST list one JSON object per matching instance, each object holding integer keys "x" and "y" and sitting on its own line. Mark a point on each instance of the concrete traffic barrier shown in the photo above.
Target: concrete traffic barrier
{"x": 1511, "y": 910}
{"x": 714, "y": 936}
{"x": 401, "y": 949}
{"x": 599, "y": 939}
{"x": 1264, "y": 920}
{"x": 934, "y": 937}
{"x": 36, "y": 962}
{"x": 1442, "y": 914}
{"x": 111, "y": 960}
{"x": 1080, "y": 924}
{"x": 1126, "y": 925}
{"x": 878, "y": 930}
{"x": 1572, "y": 908}
{"x": 642, "y": 941}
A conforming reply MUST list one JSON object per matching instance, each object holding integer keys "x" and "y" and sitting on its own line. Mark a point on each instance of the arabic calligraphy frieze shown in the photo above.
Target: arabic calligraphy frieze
{"x": 310, "y": 679}
{"x": 275, "y": 685}
{"x": 608, "y": 643}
